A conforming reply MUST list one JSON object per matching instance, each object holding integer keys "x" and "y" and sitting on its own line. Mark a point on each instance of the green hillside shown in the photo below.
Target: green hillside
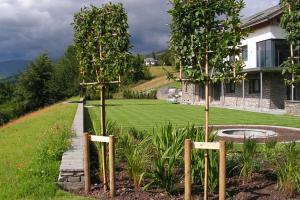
{"x": 24, "y": 174}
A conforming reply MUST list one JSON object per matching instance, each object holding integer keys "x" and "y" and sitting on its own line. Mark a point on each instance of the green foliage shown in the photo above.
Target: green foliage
{"x": 65, "y": 78}
{"x": 200, "y": 26}
{"x": 167, "y": 145}
{"x": 33, "y": 84}
{"x": 290, "y": 22}
{"x": 197, "y": 158}
{"x": 270, "y": 151}
{"x": 247, "y": 159}
{"x": 167, "y": 58}
{"x": 128, "y": 94}
{"x": 288, "y": 169}
{"x": 102, "y": 41}
{"x": 42, "y": 173}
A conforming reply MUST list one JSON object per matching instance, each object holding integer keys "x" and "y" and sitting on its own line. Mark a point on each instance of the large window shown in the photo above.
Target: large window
{"x": 272, "y": 53}
{"x": 254, "y": 86}
{"x": 230, "y": 87}
{"x": 244, "y": 53}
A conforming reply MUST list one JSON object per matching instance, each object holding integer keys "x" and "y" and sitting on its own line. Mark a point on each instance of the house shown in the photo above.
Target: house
{"x": 263, "y": 51}
{"x": 150, "y": 62}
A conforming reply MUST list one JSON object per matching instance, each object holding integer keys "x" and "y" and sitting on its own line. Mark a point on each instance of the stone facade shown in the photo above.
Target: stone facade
{"x": 71, "y": 176}
{"x": 273, "y": 93}
{"x": 292, "y": 107}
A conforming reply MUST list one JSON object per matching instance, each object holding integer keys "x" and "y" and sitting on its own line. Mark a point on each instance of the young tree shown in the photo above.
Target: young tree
{"x": 290, "y": 22}
{"x": 102, "y": 42}
{"x": 204, "y": 34}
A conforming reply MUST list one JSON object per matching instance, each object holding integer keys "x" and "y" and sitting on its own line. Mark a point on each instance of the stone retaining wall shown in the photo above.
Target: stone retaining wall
{"x": 71, "y": 176}
{"x": 292, "y": 107}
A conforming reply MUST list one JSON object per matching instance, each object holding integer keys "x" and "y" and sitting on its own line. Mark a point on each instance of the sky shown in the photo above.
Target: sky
{"x": 30, "y": 27}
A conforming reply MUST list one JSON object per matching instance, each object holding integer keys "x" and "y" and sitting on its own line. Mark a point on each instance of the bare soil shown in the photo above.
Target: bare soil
{"x": 262, "y": 187}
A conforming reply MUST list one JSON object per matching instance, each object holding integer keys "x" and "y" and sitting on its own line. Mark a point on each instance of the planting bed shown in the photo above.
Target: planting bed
{"x": 262, "y": 187}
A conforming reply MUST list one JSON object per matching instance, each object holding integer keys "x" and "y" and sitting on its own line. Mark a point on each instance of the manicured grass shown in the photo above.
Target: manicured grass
{"x": 19, "y": 142}
{"x": 146, "y": 114}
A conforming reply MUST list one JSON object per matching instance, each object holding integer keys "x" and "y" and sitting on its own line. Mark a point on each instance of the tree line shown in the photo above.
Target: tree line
{"x": 45, "y": 82}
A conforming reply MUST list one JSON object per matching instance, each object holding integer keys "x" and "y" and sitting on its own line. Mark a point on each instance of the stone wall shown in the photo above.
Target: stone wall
{"x": 274, "y": 93}
{"x": 71, "y": 176}
{"x": 292, "y": 107}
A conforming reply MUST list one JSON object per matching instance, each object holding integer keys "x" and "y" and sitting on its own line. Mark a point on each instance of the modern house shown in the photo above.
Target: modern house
{"x": 263, "y": 51}
{"x": 150, "y": 62}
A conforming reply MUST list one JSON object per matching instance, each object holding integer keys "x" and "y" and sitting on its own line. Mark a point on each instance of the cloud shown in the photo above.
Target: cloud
{"x": 29, "y": 27}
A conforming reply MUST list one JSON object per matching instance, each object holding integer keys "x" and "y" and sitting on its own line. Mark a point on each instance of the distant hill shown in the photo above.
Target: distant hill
{"x": 8, "y": 68}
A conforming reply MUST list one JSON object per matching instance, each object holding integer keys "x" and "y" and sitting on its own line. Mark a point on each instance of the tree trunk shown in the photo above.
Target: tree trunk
{"x": 103, "y": 133}
{"x": 206, "y": 122}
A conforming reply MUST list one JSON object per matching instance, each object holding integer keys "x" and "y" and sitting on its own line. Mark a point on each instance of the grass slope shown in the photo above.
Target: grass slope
{"x": 146, "y": 114}
{"x": 19, "y": 141}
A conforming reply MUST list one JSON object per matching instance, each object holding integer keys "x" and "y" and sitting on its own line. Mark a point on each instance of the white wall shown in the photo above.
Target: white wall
{"x": 258, "y": 35}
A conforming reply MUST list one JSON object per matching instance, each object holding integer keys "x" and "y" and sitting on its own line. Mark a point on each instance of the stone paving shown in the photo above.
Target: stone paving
{"x": 71, "y": 176}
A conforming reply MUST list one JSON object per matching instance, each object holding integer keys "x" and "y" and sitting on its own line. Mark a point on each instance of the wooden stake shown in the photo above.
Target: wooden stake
{"x": 222, "y": 171}
{"x": 206, "y": 122}
{"x": 86, "y": 162}
{"x": 112, "y": 165}
{"x": 103, "y": 133}
{"x": 187, "y": 170}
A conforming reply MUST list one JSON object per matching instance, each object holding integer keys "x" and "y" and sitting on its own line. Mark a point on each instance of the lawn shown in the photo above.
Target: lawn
{"x": 19, "y": 142}
{"x": 146, "y": 114}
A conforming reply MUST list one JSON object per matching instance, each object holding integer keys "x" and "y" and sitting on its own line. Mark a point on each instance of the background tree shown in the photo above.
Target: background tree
{"x": 102, "y": 42}
{"x": 204, "y": 34}
{"x": 33, "y": 84}
{"x": 290, "y": 22}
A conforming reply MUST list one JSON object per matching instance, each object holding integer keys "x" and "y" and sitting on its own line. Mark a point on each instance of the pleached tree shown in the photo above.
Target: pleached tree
{"x": 204, "y": 35}
{"x": 290, "y": 22}
{"x": 102, "y": 43}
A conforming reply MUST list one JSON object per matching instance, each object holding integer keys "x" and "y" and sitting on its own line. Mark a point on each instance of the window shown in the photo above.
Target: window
{"x": 230, "y": 87}
{"x": 244, "y": 53}
{"x": 272, "y": 53}
{"x": 254, "y": 86}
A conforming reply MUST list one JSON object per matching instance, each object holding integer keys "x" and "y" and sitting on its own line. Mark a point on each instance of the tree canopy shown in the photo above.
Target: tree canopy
{"x": 102, "y": 41}
{"x": 290, "y": 22}
{"x": 214, "y": 27}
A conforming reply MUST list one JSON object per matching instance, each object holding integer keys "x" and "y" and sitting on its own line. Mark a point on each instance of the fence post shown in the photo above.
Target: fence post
{"x": 222, "y": 171}
{"x": 86, "y": 162}
{"x": 112, "y": 165}
{"x": 187, "y": 170}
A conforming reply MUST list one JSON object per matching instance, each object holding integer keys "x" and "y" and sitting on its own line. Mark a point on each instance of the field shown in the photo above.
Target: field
{"x": 157, "y": 71}
{"x": 19, "y": 142}
{"x": 147, "y": 114}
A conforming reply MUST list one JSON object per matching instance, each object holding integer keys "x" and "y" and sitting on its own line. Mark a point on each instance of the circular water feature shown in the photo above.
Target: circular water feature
{"x": 248, "y": 133}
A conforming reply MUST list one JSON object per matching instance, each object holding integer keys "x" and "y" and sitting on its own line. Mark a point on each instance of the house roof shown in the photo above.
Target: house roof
{"x": 261, "y": 17}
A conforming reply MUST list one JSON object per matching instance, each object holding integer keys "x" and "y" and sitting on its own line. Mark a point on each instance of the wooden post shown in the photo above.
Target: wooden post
{"x": 222, "y": 171}
{"x": 86, "y": 162}
{"x": 206, "y": 122}
{"x": 103, "y": 133}
{"x": 112, "y": 165}
{"x": 187, "y": 170}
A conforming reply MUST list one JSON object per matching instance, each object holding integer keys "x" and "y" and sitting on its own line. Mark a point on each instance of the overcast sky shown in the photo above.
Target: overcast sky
{"x": 29, "y": 27}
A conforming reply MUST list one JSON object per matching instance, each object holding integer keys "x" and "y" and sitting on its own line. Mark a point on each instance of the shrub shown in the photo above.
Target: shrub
{"x": 151, "y": 94}
{"x": 168, "y": 146}
{"x": 197, "y": 158}
{"x": 247, "y": 159}
{"x": 288, "y": 170}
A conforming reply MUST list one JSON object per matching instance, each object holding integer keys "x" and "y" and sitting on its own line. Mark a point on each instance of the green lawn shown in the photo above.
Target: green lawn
{"x": 146, "y": 114}
{"x": 19, "y": 142}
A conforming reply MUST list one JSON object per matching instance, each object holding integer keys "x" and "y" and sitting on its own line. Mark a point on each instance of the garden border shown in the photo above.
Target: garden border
{"x": 71, "y": 173}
